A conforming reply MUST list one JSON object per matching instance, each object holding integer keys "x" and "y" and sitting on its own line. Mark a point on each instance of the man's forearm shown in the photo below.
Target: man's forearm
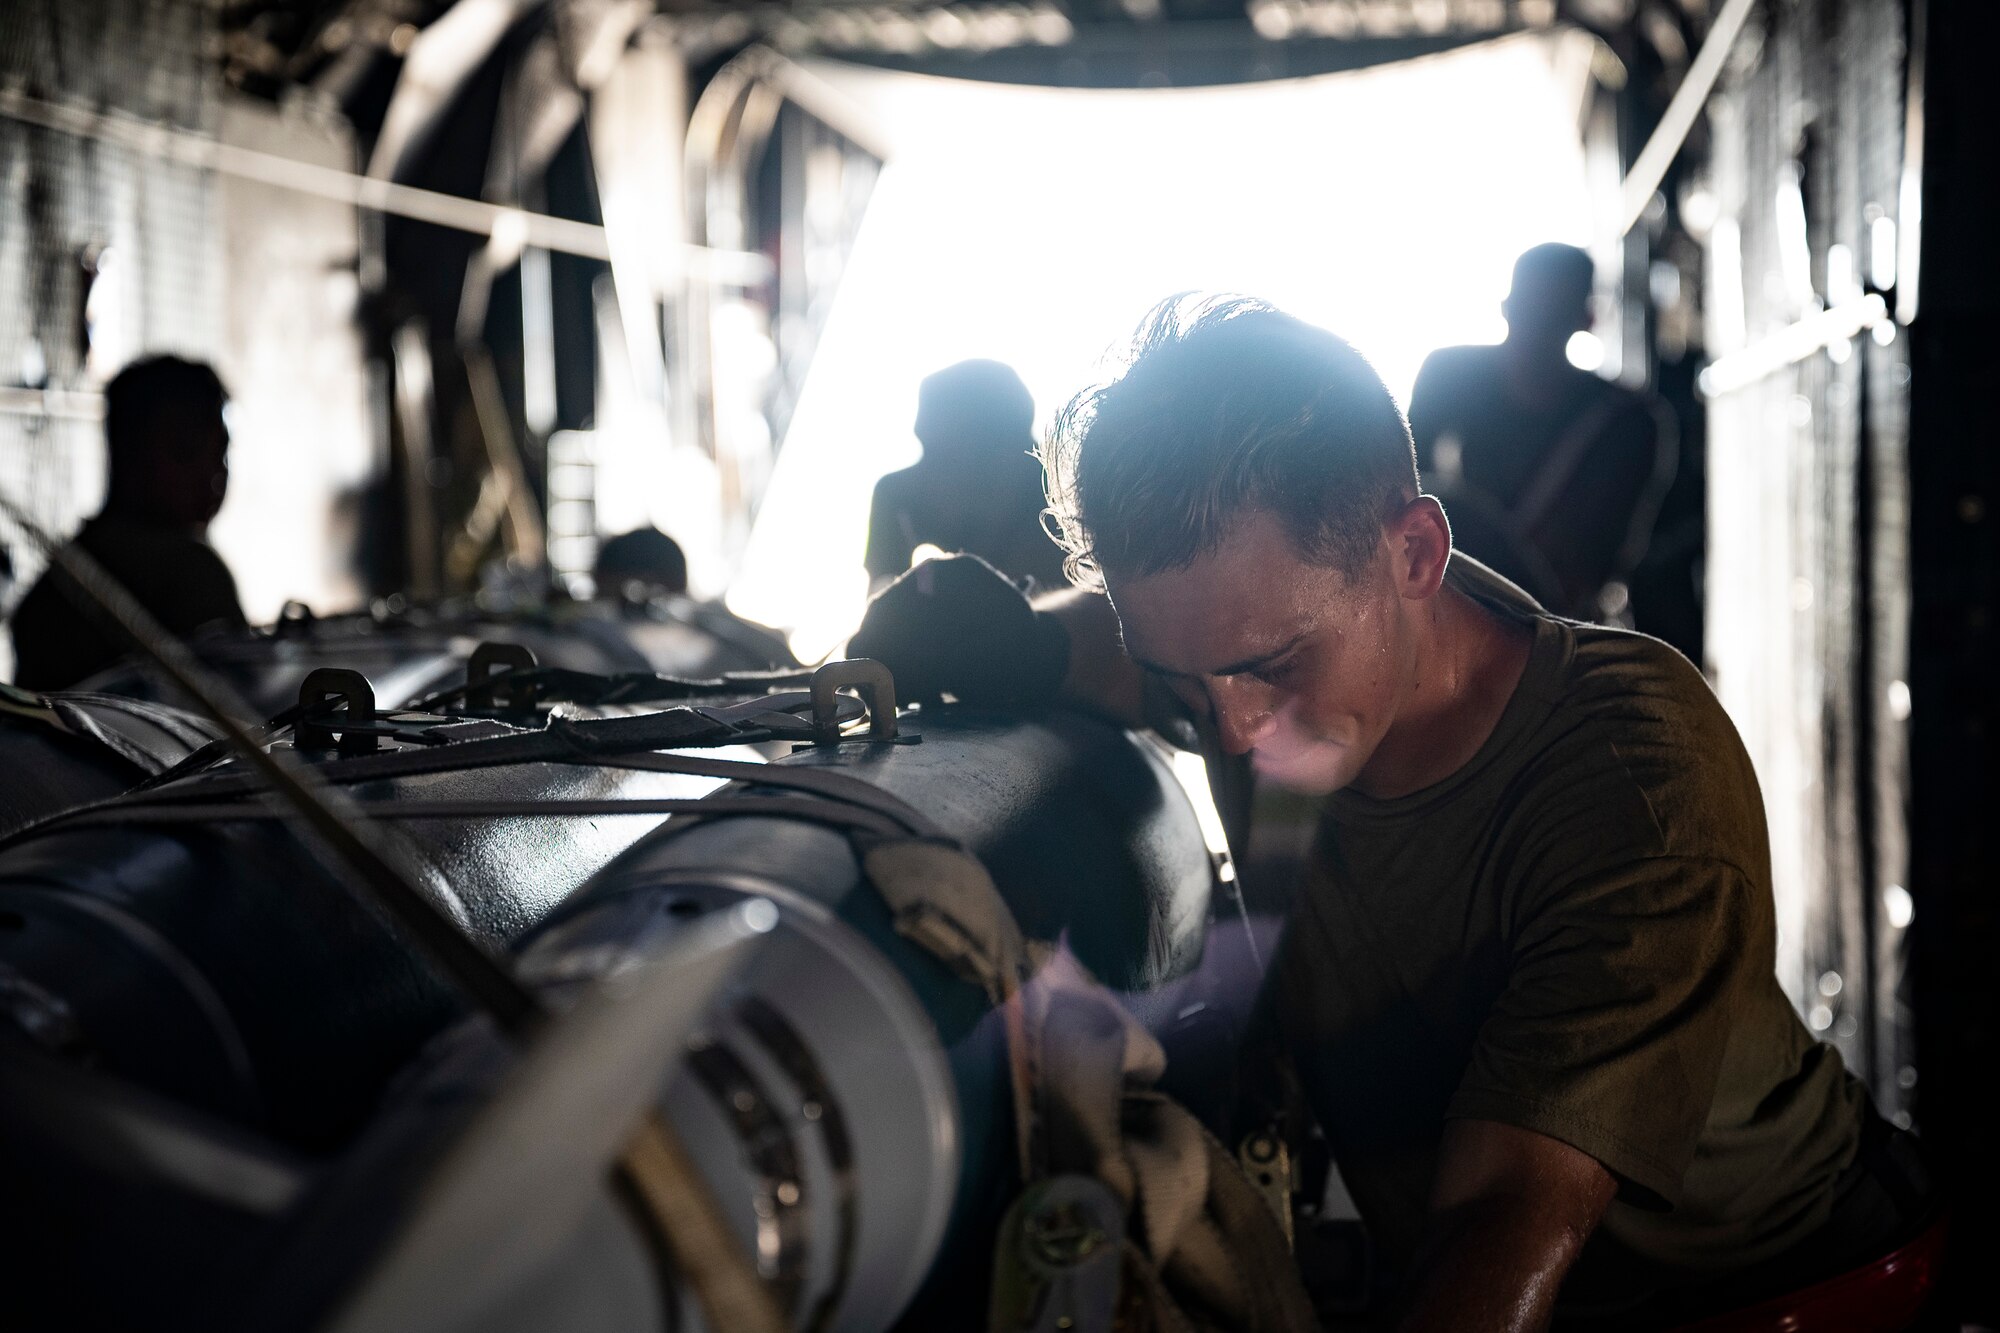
{"x": 1490, "y": 1263}
{"x": 1100, "y": 676}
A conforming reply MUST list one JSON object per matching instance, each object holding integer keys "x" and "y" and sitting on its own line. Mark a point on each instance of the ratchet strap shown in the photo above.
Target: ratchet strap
{"x": 1110, "y": 1166}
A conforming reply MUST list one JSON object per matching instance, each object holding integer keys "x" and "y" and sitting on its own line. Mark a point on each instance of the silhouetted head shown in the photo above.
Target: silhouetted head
{"x": 1227, "y": 405}
{"x": 973, "y": 411}
{"x": 1246, "y": 493}
{"x": 644, "y": 555}
{"x": 167, "y": 441}
{"x": 1550, "y": 298}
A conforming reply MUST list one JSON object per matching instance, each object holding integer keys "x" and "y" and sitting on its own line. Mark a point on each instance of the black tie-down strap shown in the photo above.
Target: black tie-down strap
{"x": 531, "y": 684}
{"x": 502, "y": 682}
{"x": 316, "y": 721}
{"x": 624, "y": 742}
{"x": 149, "y": 738}
{"x": 612, "y": 741}
{"x": 827, "y": 812}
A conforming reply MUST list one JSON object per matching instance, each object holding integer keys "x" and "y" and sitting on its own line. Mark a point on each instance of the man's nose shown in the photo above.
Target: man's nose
{"x": 1245, "y": 713}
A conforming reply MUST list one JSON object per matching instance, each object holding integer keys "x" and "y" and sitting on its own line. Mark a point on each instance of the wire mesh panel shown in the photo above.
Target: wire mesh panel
{"x": 122, "y": 234}
{"x": 1808, "y": 586}
{"x": 103, "y": 251}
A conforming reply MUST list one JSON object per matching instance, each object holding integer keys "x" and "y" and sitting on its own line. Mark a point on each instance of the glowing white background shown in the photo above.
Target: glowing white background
{"x": 1036, "y": 226}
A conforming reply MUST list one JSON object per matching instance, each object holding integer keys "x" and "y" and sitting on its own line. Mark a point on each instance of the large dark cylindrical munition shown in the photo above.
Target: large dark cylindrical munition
{"x": 847, "y": 1099}
{"x": 60, "y": 751}
{"x": 219, "y": 961}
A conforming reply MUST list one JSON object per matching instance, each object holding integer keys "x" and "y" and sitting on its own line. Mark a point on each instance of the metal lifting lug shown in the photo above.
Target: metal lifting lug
{"x": 867, "y": 678}
{"x": 316, "y": 730}
{"x": 485, "y": 686}
{"x": 294, "y": 618}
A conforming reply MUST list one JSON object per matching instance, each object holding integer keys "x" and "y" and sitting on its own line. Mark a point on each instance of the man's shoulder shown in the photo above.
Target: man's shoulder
{"x": 53, "y": 639}
{"x": 901, "y": 484}
{"x": 897, "y": 493}
{"x": 1451, "y": 370}
{"x": 1595, "y": 663}
{"x": 1624, "y": 676}
{"x": 183, "y": 580}
{"x": 1463, "y": 356}
{"x": 112, "y": 542}
{"x": 1634, "y": 726}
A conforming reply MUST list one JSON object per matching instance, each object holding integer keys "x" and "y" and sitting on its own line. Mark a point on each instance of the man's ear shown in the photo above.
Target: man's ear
{"x": 1420, "y": 542}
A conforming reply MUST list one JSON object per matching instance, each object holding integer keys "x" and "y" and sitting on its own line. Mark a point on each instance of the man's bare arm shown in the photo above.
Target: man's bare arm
{"x": 956, "y": 626}
{"x": 1100, "y": 676}
{"x": 1510, "y": 1211}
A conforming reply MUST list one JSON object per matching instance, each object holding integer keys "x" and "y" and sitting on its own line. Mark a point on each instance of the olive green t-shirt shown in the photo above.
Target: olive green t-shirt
{"x": 1573, "y": 934}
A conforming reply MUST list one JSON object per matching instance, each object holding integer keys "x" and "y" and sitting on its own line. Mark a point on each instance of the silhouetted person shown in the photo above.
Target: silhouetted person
{"x": 644, "y": 556}
{"x": 1550, "y": 474}
{"x": 169, "y": 469}
{"x": 978, "y": 487}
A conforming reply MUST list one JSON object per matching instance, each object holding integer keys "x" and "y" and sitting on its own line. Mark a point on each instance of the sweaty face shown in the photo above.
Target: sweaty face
{"x": 1296, "y": 665}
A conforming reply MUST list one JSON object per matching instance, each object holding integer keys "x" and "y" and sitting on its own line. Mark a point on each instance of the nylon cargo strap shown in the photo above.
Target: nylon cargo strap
{"x": 843, "y": 799}
{"x": 147, "y": 737}
{"x": 1198, "y": 1249}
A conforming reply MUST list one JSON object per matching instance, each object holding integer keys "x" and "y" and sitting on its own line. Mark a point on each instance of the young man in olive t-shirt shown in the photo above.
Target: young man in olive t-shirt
{"x": 1527, "y": 988}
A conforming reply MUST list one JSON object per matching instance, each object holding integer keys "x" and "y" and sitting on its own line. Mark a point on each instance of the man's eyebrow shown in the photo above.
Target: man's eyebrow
{"x": 1233, "y": 669}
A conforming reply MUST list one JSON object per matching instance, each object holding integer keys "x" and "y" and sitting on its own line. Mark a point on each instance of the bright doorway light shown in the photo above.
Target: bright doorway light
{"x": 1036, "y": 226}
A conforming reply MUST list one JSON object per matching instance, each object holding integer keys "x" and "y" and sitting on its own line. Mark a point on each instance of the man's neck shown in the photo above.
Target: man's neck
{"x": 1467, "y": 662}
{"x": 1535, "y": 371}
{"x": 138, "y": 515}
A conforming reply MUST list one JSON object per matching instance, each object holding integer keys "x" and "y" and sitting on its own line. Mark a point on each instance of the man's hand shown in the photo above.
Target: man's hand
{"x": 956, "y": 626}
{"x": 1510, "y": 1211}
